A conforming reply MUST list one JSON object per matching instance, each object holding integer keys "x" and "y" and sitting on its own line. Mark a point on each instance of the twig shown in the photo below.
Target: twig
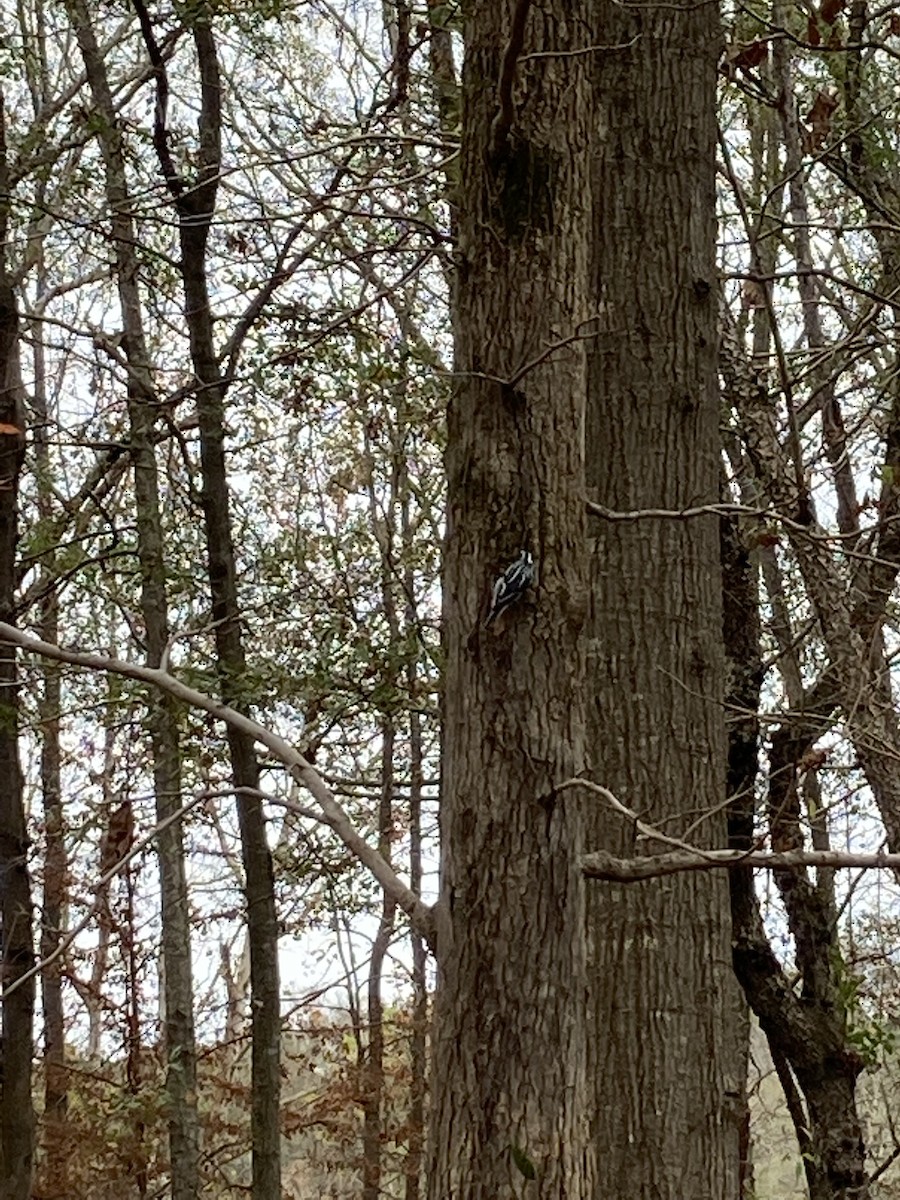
{"x": 647, "y": 831}
{"x": 580, "y": 50}
{"x": 526, "y": 368}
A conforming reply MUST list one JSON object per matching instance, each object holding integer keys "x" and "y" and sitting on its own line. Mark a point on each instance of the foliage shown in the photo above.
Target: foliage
{"x": 331, "y": 258}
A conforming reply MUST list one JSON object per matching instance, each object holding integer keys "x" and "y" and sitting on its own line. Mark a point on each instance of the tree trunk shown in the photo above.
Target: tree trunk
{"x": 667, "y": 1067}
{"x": 56, "y": 1101}
{"x": 196, "y": 206}
{"x": 181, "y": 1075}
{"x": 418, "y": 1064}
{"x": 55, "y": 1138}
{"x": 807, "y": 1033}
{"x": 372, "y": 1073}
{"x": 741, "y": 629}
{"x": 510, "y": 1094}
{"x": 16, "y": 937}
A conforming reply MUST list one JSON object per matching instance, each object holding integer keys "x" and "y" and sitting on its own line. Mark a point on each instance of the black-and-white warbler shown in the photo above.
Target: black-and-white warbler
{"x": 511, "y": 585}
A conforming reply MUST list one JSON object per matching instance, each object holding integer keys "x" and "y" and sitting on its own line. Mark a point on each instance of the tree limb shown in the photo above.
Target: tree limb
{"x": 600, "y": 865}
{"x": 331, "y": 812}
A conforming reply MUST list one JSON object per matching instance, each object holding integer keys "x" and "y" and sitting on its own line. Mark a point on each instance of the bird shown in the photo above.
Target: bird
{"x": 512, "y": 585}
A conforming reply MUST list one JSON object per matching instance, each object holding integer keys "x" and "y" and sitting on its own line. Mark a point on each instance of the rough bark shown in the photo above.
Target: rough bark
{"x": 181, "y": 1081}
{"x": 16, "y": 937}
{"x": 667, "y": 1068}
{"x": 510, "y": 1093}
{"x": 195, "y": 205}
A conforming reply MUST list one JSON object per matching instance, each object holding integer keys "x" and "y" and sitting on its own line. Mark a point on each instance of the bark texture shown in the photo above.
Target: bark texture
{"x": 741, "y": 629}
{"x": 668, "y": 1108}
{"x": 509, "y": 1061}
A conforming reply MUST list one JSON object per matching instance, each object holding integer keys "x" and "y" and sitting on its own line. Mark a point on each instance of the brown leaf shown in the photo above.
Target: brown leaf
{"x": 766, "y": 538}
{"x": 813, "y": 759}
{"x": 749, "y": 56}
{"x": 754, "y": 295}
{"x": 5, "y": 428}
{"x": 117, "y": 837}
{"x": 831, "y": 9}
{"x": 819, "y": 120}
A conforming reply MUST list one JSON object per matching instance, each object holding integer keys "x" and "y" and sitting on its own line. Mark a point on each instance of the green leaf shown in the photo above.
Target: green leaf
{"x": 522, "y": 1161}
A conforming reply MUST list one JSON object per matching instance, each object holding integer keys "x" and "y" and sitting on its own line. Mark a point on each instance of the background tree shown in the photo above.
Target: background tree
{"x": 181, "y": 1070}
{"x": 16, "y": 934}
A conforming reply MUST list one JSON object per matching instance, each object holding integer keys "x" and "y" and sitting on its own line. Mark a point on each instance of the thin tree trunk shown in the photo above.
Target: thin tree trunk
{"x": 137, "y": 1158}
{"x": 807, "y": 1033}
{"x": 740, "y": 625}
{"x": 17, "y": 1125}
{"x": 196, "y": 208}
{"x": 55, "y": 1140}
{"x": 417, "y": 1042}
{"x": 667, "y": 1065}
{"x": 373, "y": 1066}
{"x": 510, "y": 1091}
{"x": 418, "y": 1063}
{"x": 181, "y": 1079}
{"x": 373, "y": 1072}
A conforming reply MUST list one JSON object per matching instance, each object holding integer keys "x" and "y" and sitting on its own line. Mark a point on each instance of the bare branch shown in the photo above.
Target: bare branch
{"x": 519, "y": 374}
{"x": 641, "y": 827}
{"x": 160, "y": 115}
{"x": 600, "y": 865}
{"x": 331, "y": 813}
{"x": 687, "y": 857}
{"x": 581, "y": 50}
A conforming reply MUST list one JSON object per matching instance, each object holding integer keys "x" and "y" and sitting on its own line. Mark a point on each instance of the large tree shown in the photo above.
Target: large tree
{"x": 665, "y": 1002}
{"x": 511, "y": 1092}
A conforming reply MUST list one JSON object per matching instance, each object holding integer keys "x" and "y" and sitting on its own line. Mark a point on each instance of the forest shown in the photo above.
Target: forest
{"x": 449, "y": 552}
